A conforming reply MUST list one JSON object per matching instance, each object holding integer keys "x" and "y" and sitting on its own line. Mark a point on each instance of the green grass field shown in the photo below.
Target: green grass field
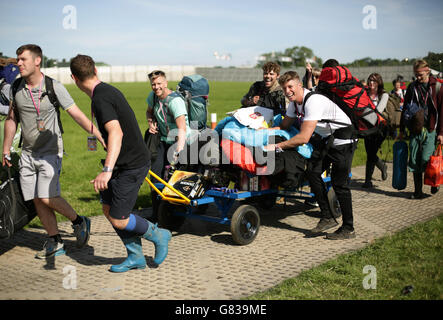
{"x": 411, "y": 257}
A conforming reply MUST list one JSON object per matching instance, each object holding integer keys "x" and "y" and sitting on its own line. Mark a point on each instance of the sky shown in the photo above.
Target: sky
{"x": 139, "y": 32}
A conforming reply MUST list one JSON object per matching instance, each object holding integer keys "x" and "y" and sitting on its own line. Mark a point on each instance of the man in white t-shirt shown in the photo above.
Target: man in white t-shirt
{"x": 329, "y": 130}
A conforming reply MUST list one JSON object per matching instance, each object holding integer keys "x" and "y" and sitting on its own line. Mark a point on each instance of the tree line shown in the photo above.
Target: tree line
{"x": 298, "y": 56}
{"x": 49, "y": 62}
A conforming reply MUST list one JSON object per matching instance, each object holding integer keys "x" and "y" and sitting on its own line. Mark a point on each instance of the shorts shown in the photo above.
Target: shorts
{"x": 40, "y": 176}
{"x": 421, "y": 148}
{"x": 122, "y": 191}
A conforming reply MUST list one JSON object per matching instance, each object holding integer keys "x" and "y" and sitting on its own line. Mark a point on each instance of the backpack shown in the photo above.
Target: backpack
{"x": 15, "y": 212}
{"x": 49, "y": 85}
{"x": 9, "y": 72}
{"x": 392, "y": 112}
{"x": 414, "y": 113}
{"x": 3, "y": 99}
{"x": 194, "y": 89}
{"x": 338, "y": 84}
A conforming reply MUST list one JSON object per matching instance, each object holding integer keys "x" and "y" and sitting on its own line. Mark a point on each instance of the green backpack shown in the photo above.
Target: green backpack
{"x": 194, "y": 89}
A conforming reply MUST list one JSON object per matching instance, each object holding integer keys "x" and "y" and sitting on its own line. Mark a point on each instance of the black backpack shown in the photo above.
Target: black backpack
{"x": 15, "y": 212}
{"x": 3, "y": 99}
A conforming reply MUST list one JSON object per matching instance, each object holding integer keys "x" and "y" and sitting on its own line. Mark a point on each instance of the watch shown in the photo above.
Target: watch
{"x": 107, "y": 169}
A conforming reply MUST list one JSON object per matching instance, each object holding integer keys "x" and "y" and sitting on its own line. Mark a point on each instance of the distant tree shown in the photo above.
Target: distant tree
{"x": 101, "y": 64}
{"x": 48, "y": 63}
{"x": 291, "y": 57}
{"x": 369, "y": 62}
{"x": 433, "y": 59}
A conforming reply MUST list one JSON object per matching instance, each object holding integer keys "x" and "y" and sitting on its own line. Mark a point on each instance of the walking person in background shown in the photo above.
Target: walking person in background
{"x": 399, "y": 91}
{"x": 42, "y": 152}
{"x": 426, "y": 126}
{"x": 311, "y": 78}
{"x": 373, "y": 142}
{"x": 8, "y": 72}
{"x": 125, "y": 167}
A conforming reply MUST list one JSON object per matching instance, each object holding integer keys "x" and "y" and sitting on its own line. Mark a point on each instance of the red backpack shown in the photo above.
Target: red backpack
{"x": 338, "y": 84}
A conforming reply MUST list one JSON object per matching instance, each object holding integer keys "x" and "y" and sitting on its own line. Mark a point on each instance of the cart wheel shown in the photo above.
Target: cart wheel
{"x": 334, "y": 204}
{"x": 267, "y": 201}
{"x": 166, "y": 217}
{"x": 245, "y": 224}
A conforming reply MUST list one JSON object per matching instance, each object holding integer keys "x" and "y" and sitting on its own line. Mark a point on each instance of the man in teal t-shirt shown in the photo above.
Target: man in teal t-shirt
{"x": 166, "y": 112}
{"x": 167, "y": 115}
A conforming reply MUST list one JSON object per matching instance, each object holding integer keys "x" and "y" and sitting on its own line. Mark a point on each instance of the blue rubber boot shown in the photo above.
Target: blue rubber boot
{"x": 160, "y": 237}
{"x": 135, "y": 259}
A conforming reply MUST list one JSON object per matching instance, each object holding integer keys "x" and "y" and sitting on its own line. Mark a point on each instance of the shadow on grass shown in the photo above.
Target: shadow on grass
{"x": 89, "y": 199}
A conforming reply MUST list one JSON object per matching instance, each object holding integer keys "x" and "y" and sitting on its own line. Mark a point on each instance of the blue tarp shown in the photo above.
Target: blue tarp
{"x": 230, "y": 128}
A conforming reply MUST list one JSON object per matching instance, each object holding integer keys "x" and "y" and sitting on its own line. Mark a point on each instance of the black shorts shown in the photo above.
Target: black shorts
{"x": 123, "y": 190}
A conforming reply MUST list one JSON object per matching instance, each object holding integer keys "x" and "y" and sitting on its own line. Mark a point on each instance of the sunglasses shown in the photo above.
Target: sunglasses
{"x": 156, "y": 73}
{"x": 421, "y": 74}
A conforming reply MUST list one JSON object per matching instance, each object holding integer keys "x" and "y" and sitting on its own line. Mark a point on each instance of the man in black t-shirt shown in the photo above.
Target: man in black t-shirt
{"x": 125, "y": 167}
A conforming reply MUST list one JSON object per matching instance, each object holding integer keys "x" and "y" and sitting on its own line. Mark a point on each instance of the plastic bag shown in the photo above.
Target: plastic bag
{"x": 434, "y": 169}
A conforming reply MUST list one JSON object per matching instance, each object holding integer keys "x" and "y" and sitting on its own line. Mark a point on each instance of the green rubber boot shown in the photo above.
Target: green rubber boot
{"x": 160, "y": 237}
{"x": 135, "y": 259}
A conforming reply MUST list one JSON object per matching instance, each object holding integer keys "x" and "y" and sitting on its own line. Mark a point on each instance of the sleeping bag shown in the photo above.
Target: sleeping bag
{"x": 231, "y": 129}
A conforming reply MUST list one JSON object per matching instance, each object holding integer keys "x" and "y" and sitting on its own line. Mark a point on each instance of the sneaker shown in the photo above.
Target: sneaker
{"x": 311, "y": 202}
{"x": 367, "y": 185}
{"x": 418, "y": 196}
{"x": 324, "y": 224}
{"x": 51, "y": 248}
{"x": 82, "y": 232}
{"x": 434, "y": 190}
{"x": 384, "y": 172}
{"x": 341, "y": 234}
